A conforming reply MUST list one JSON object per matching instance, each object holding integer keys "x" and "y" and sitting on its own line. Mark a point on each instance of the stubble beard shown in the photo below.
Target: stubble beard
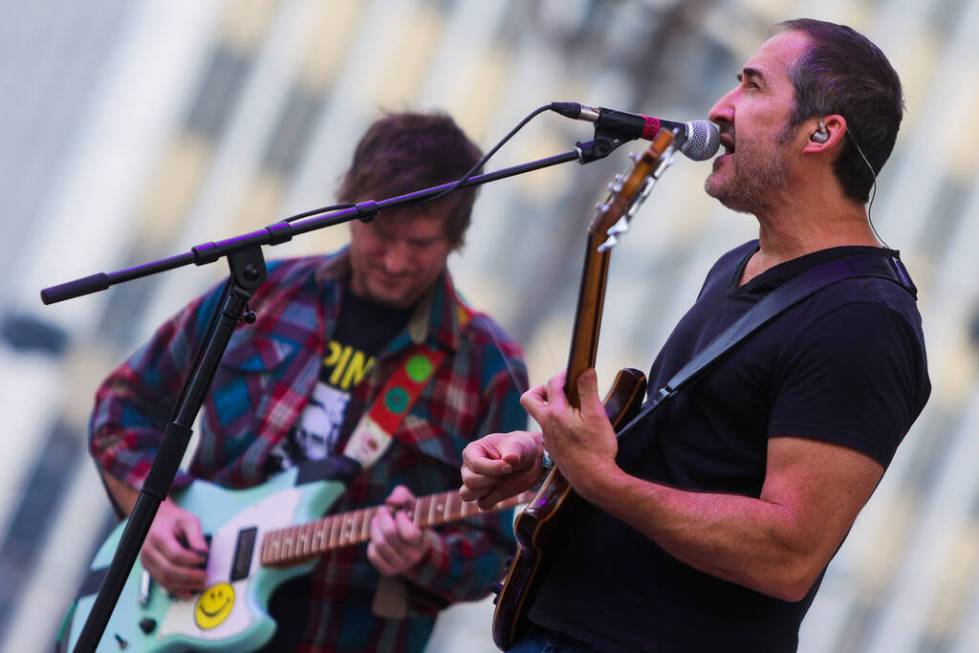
{"x": 755, "y": 178}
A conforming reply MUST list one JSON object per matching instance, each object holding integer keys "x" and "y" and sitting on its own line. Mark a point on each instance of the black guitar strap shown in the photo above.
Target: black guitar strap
{"x": 771, "y": 306}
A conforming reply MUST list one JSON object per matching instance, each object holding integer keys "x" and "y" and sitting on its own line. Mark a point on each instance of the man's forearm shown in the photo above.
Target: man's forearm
{"x": 739, "y": 539}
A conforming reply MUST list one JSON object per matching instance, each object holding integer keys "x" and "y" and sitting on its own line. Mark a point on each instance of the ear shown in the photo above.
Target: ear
{"x": 834, "y": 128}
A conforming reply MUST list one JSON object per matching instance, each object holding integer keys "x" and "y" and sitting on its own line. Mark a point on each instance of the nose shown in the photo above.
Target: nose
{"x": 723, "y": 110}
{"x": 396, "y": 258}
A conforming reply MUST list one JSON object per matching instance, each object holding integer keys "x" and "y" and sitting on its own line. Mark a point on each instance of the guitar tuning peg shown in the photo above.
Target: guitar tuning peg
{"x": 635, "y": 156}
{"x": 602, "y": 207}
{"x": 618, "y": 228}
{"x": 609, "y": 243}
{"x": 615, "y": 186}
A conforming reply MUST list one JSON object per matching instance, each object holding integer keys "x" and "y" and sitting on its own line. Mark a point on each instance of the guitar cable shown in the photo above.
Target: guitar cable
{"x": 486, "y": 157}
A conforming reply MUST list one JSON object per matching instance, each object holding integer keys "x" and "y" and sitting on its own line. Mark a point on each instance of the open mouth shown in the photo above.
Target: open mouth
{"x": 728, "y": 144}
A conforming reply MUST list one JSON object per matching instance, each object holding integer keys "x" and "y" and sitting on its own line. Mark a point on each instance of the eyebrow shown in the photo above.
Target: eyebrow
{"x": 751, "y": 73}
{"x": 426, "y": 240}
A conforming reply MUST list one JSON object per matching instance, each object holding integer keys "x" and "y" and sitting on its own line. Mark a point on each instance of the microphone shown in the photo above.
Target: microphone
{"x": 698, "y": 139}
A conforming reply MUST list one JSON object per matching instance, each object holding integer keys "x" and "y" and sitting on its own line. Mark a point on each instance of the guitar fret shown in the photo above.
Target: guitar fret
{"x": 294, "y": 550}
{"x": 356, "y": 523}
{"x": 325, "y": 530}
{"x": 310, "y": 533}
{"x": 421, "y": 513}
{"x": 332, "y": 525}
{"x": 352, "y": 527}
{"x": 365, "y": 525}
{"x": 338, "y": 525}
{"x": 338, "y": 528}
{"x": 343, "y": 526}
{"x": 319, "y": 538}
{"x": 431, "y": 508}
{"x": 451, "y": 505}
{"x": 345, "y": 534}
{"x": 311, "y": 530}
{"x": 439, "y": 511}
{"x": 418, "y": 514}
{"x": 302, "y": 541}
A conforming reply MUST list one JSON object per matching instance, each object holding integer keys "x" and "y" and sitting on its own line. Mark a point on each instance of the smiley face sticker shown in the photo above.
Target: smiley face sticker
{"x": 214, "y": 605}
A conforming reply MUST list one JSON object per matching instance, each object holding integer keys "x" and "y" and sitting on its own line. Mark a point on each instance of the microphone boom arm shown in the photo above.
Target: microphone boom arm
{"x": 282, "y": 231}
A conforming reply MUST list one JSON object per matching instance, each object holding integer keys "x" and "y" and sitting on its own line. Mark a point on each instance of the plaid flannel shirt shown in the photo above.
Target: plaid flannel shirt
{"x": 258, "y": 394}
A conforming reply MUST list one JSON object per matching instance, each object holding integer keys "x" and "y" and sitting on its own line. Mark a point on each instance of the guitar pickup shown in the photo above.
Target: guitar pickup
{"x": 244, "y": 548}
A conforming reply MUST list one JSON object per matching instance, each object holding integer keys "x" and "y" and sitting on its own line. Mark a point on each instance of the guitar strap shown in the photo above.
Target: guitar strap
{"x": 771, "y": 306}
{"x": 375, "y": 430}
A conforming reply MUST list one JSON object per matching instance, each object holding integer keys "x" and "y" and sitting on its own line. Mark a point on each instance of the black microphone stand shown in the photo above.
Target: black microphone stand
{"x": 248, "y": 272}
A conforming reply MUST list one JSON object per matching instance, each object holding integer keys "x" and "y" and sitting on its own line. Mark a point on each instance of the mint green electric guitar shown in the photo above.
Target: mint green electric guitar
{"x": 259, "y": 538}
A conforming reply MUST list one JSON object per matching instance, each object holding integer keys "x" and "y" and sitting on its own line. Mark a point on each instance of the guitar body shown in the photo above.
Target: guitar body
{"x": 231, "y": 614}
{"x": 259, "y": 538}
{"x": 539, "y": 528}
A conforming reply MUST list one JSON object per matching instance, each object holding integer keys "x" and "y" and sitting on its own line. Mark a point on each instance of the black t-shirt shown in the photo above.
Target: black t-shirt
{"x": 362, "y": 331}
{"x": 846, "y": 366}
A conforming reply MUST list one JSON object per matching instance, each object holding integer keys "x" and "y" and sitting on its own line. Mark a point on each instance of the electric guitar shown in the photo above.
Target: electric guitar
{"x": 538, "y": 528}
{"x": 259, "y": 538}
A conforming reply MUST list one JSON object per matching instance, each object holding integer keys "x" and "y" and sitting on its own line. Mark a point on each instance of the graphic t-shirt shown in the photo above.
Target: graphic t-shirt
{"x": 363, "y": 329}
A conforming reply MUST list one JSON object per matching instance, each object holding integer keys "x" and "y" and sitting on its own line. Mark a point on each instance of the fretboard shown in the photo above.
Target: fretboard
{"x": 286, "y": 546}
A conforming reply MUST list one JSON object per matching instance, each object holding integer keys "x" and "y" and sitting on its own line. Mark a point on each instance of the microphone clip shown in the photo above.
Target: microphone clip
{"x": 600, "y": 147}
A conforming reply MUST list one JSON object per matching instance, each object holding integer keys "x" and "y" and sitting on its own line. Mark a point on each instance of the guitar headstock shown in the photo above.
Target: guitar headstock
{"x": 630, "y": 189}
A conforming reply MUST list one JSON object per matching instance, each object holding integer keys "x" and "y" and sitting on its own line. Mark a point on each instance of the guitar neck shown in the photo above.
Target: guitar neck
{"x": 588, "y": 316}
{"x": 287, "y": 546}
{"x": 628, "y": 191}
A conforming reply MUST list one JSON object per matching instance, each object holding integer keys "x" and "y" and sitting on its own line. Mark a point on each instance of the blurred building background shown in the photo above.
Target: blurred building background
{"x": 134, "y": 129}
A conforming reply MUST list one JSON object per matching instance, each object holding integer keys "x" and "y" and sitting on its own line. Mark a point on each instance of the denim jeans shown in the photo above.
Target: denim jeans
{"x": 541, "y": 640}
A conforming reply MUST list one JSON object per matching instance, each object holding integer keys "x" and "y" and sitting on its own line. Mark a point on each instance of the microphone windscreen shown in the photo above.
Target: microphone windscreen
{"x": 703, "y": 140}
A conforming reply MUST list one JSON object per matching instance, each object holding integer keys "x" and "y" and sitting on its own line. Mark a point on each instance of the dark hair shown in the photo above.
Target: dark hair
{"x": 403, "y": 152}
{"x": 843, "y": 72}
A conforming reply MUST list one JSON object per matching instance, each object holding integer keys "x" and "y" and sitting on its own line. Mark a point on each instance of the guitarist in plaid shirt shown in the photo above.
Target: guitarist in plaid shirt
{"x": 331, "y": 331}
